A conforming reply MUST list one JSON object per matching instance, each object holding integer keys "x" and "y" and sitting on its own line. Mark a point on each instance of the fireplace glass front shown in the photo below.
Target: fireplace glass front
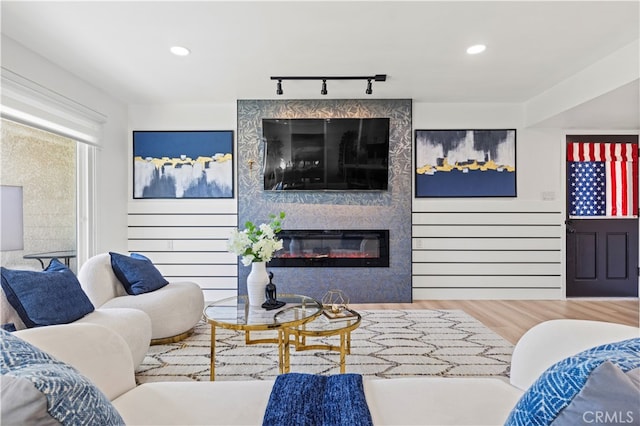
{"x": 333, "y": 248}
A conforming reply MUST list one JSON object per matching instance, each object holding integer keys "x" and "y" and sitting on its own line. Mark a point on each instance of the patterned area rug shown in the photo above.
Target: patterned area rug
{"x": 388, "y": 343}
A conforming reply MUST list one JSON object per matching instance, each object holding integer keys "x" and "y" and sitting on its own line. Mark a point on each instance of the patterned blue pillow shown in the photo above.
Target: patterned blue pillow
{"x": 561, "y": 382}
{"x": 48, "y": 297}
{"x": 137, "y": 273}
{"x": 71, "y": 398}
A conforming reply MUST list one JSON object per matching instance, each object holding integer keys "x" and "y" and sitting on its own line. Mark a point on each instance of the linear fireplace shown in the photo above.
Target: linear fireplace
{"x": 333, "y": 248}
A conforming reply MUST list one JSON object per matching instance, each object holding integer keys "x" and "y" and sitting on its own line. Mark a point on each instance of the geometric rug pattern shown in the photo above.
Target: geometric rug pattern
{"x": 388, "y": 344}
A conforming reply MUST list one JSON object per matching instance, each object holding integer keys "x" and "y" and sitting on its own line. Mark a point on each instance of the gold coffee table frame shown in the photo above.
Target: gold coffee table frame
{"x": 235, "y": 313}
{"x": 324, "y": 328}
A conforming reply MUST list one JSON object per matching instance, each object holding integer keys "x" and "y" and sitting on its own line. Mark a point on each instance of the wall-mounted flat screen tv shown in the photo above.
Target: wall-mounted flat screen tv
{"x": 311, "y": 154}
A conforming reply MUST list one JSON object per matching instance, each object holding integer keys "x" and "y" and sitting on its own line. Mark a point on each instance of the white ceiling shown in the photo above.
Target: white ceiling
{"x": 123, "y": 47}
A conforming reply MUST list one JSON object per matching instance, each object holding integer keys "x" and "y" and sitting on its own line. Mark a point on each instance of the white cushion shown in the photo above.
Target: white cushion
{"x": 440, "y": 401}
{"x": 195, "y": 403}
{"x": 98, "y": 280}
{"x": 95, "y": 351}
{"x": 133, "y": 325}
{"x": 173, "y": 309}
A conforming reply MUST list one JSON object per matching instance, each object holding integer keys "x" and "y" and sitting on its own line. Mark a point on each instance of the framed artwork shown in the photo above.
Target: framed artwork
{"x": 183, "y": 164}
{"x": 465, "y": 163}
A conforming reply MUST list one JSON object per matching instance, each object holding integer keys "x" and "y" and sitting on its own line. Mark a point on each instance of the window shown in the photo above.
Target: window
{"x": 25, "y": 101}
{"x": 45, "y": 166}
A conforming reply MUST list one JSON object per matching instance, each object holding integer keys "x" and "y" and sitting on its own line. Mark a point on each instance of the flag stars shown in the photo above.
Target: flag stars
{"x": 588, "y": 189}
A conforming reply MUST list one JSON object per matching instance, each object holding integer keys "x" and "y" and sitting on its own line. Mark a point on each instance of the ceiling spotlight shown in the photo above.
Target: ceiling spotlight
{"x": 369, "y": 88}
{"x": 323, "y": 91}
{"x": 179, "y": 51}
{"x": 475, "y": 49}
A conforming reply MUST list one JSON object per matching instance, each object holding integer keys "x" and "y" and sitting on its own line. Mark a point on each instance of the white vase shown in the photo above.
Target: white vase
{"x": 257, "y": 283}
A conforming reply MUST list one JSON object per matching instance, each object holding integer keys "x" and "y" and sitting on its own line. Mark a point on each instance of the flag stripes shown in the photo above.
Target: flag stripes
{"x": 620, "y": 192}
{"x": 593, "y": 151}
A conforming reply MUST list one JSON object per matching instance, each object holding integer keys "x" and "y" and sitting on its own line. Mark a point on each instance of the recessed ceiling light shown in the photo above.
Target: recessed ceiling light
{"x": 475, "y": 49}
{"x": 180, "y": 51}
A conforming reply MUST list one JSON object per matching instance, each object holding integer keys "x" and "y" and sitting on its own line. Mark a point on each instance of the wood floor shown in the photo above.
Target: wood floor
{"x": 512, "y": 318}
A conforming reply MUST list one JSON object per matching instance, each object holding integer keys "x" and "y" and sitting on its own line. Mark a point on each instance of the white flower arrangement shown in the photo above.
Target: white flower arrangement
{"x": 257, "y": 243}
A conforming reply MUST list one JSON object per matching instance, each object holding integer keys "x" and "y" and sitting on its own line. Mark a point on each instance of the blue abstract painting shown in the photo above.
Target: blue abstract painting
{"x": 183, "y": 164}
{"x": 465, "y": 163}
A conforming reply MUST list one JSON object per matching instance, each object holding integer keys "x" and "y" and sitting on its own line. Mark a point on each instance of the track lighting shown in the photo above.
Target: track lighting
{"x": 323, "y": 91}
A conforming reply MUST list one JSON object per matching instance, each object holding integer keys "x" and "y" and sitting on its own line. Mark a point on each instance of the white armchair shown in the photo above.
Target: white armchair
{"x": 174, "y": 309}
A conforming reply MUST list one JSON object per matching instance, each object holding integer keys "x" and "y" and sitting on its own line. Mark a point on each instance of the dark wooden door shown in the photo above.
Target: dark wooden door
{"x": 602, "y": 258}
{"x": 602, "y": 253}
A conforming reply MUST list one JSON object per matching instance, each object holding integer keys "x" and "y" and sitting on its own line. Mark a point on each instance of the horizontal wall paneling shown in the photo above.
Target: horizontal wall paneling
{"x": 485, "y": 254}
{"x": 187, "y": 242}
{"x": 485, "y": 294}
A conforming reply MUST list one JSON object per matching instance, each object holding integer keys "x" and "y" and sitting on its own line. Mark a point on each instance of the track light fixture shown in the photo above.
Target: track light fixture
{"x": 323, "y": 91}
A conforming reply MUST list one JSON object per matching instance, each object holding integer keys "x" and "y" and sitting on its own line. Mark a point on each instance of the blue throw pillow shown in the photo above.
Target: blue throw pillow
{"x": 608, "y": 397}
{"x": 48, "y": 297}
{"x": 11, "y": 327}
{"x": 38, "y": 389}
{"x": 137, "y": 273}
{"x": 559, "y": 384}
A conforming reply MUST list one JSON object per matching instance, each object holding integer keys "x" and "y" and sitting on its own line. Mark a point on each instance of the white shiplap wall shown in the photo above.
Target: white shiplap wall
{"x": 186, "y": 240}
{"x": 495, "y": 250}
{"x": 498, "y": 250}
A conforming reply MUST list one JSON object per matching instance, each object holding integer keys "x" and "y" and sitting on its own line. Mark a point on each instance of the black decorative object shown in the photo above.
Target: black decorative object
{"x": 271, "y": 296}
{"x": 270, "y": 291}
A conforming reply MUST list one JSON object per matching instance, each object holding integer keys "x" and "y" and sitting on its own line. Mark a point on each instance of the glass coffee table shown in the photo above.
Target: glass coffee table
{"x": 235, "y": 313}
{"x": 323, "y": 327}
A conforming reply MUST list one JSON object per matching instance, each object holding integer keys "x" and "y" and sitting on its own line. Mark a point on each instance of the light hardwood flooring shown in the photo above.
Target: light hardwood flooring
{"x": 512, "y": 318}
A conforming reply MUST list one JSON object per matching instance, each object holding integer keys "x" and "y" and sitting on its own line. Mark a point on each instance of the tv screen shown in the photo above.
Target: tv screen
{"x": 326, "y": 154}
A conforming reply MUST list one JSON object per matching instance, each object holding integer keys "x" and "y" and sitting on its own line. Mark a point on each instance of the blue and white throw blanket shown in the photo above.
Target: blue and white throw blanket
{"x": 314, "y": 400}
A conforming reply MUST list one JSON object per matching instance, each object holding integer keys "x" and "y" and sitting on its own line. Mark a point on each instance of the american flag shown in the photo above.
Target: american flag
{"x": 603, "y": 179}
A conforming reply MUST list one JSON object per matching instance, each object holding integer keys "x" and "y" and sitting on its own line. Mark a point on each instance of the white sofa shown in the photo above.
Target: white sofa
{"x": 103, "y": 357}
{"x": 133, "y": 325}
{"x": 174, "y": 309}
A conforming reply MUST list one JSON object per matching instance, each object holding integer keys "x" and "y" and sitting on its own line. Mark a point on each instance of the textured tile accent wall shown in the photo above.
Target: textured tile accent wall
{"x": 333, "y": 210}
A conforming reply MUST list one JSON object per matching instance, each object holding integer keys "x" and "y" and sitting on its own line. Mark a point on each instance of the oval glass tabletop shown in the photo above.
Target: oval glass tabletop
{"x": 327, "y": 327}
{"x": 235, "y": 312}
